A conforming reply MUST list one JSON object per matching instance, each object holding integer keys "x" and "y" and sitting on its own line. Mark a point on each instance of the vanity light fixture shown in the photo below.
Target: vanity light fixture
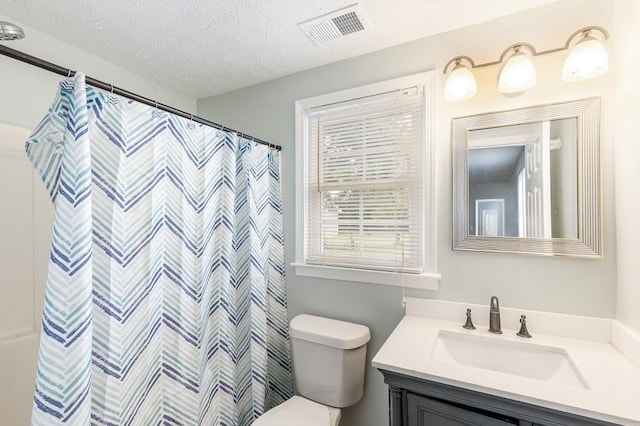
{"x": 587, "y": 59}
{"x": 518, "y": 73}
{"x": 461, "y": 84}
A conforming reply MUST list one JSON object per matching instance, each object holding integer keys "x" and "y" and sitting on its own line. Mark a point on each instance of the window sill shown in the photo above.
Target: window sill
{"x": 424, "y": 281}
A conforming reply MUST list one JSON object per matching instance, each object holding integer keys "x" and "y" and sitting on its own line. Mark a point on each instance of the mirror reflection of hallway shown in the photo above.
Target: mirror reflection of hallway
{"x": 533, "y": 168}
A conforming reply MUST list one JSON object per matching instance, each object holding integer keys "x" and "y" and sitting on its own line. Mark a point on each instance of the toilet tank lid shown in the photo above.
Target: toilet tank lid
{"x": 330, "y": 332}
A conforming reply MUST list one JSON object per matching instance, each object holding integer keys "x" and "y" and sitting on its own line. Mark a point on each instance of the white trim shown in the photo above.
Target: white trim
{"x": 424, "y": 281}
{"x": 499, "y": 141}
{"x": 430, "y": 176}
{"x": 428, "y": 280}
{"x": 301, "y": 194}
{"x": 368, "y": 90}
{"x": 513, "y": 140}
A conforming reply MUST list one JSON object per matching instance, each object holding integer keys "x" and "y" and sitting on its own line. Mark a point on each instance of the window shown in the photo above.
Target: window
{"x": 366, "y": 184}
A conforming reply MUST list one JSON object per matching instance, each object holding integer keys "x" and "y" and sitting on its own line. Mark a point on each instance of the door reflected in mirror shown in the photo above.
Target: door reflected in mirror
{"x": 490, "y": 218}
{"x": 523, "y": 180}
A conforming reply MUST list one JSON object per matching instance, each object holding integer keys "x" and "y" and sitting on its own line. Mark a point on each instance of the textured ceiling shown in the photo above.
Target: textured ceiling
{"x": 203, "y": 47}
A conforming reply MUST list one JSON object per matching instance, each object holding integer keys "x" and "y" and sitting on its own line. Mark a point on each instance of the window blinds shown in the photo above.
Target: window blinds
{"x": 364, "y": 182}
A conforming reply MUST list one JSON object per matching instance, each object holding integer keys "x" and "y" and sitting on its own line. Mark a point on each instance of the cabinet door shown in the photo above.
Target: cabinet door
{"x": 429, "y": 412}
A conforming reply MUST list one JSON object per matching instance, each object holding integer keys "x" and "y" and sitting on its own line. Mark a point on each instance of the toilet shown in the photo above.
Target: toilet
{"x": 328, "y": 364}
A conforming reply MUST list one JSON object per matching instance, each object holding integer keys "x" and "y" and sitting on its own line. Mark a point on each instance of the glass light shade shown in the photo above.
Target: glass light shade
{"x": 460, "y": 85}
{"x": 587, "y": 59}
{"x": 518, "y": 74}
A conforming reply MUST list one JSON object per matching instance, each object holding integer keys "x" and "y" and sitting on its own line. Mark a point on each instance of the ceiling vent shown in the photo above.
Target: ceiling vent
{"x": 332, "y": 25}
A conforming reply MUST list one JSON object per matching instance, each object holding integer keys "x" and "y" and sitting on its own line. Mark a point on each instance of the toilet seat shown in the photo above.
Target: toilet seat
{"x": 299, "y": 411}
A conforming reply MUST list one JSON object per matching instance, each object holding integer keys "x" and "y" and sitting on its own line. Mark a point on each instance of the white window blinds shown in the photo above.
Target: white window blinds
{"x": 364, "y": 182}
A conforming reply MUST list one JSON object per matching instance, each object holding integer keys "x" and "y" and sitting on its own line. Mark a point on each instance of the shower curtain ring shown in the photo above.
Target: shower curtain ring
{"x": 111, "y": 89}
{"x": 68, "y": 72}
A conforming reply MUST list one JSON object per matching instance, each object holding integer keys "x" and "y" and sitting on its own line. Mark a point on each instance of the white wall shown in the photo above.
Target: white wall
{"x": 26, "y": 92}
{"x": 25, "y": 240}
{"x": 576, "y": 286}
{"x": 627, "y": 159}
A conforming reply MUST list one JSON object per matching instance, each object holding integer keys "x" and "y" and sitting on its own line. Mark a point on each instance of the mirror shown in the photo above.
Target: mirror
{"x": 528, "y": 180}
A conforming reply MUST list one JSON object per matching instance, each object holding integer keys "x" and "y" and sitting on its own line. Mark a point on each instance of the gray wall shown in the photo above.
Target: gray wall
{"x": 564, "y": 180}
{"x": 578, "y": 286}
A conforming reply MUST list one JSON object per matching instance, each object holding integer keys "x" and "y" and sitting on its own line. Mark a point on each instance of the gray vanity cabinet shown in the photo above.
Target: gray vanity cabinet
{"x": 426, "y": 411}
{"x": 419, "y": 402}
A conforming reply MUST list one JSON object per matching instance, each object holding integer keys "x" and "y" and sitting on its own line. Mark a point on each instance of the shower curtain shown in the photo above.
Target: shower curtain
{"x": 165, "y": 299}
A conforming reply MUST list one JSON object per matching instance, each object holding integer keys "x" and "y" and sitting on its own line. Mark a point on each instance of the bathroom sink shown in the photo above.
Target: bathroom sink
{"x": 523, "y": 359}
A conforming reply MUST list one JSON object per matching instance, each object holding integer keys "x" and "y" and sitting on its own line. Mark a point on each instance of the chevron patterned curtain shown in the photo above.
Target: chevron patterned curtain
{"x": 165, "y": 300}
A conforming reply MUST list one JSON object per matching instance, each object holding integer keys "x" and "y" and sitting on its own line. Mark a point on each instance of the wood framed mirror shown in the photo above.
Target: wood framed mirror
{"x": 528, "y": 180}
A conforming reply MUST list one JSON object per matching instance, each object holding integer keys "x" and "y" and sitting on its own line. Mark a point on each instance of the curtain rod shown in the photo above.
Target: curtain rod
{"x": 67, "y": 72}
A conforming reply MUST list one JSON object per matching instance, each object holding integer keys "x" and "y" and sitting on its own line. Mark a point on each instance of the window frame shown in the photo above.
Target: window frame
{"x": 429, "y": 278}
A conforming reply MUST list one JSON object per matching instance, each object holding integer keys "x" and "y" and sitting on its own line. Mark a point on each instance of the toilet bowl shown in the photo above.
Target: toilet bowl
{"x": 299, "y": 411}
{"x": 329, "y": 365}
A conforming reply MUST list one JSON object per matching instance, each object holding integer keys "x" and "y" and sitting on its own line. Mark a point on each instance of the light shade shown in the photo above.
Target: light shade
{"x": 517, "y": 75}
{"x": 9, "y": 31}
{"x": 587, "y": 59}
{"x": 460, "y": 85}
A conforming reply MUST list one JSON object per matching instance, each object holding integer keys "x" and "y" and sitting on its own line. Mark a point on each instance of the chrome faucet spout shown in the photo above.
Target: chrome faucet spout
{"x": 494, "y": 316}
{"x": 494, "y": 305}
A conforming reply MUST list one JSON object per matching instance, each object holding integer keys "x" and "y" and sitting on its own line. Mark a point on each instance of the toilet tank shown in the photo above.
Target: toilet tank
{"x": 329, "y": 358}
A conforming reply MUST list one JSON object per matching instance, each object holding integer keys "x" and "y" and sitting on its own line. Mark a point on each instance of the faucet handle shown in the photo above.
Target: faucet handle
{"x": 523, "y": 327}
{"x": 469, "y": 324}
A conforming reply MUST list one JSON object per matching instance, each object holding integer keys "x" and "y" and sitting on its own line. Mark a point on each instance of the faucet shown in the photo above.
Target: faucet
{"x": 494, "y": 316}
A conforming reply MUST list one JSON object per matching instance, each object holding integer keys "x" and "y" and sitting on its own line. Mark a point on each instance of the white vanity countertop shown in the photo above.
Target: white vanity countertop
{"x": 614, "y": 382}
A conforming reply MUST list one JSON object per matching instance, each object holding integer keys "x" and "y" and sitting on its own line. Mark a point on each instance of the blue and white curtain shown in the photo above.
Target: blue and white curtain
{"x": 165, "y": 300}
